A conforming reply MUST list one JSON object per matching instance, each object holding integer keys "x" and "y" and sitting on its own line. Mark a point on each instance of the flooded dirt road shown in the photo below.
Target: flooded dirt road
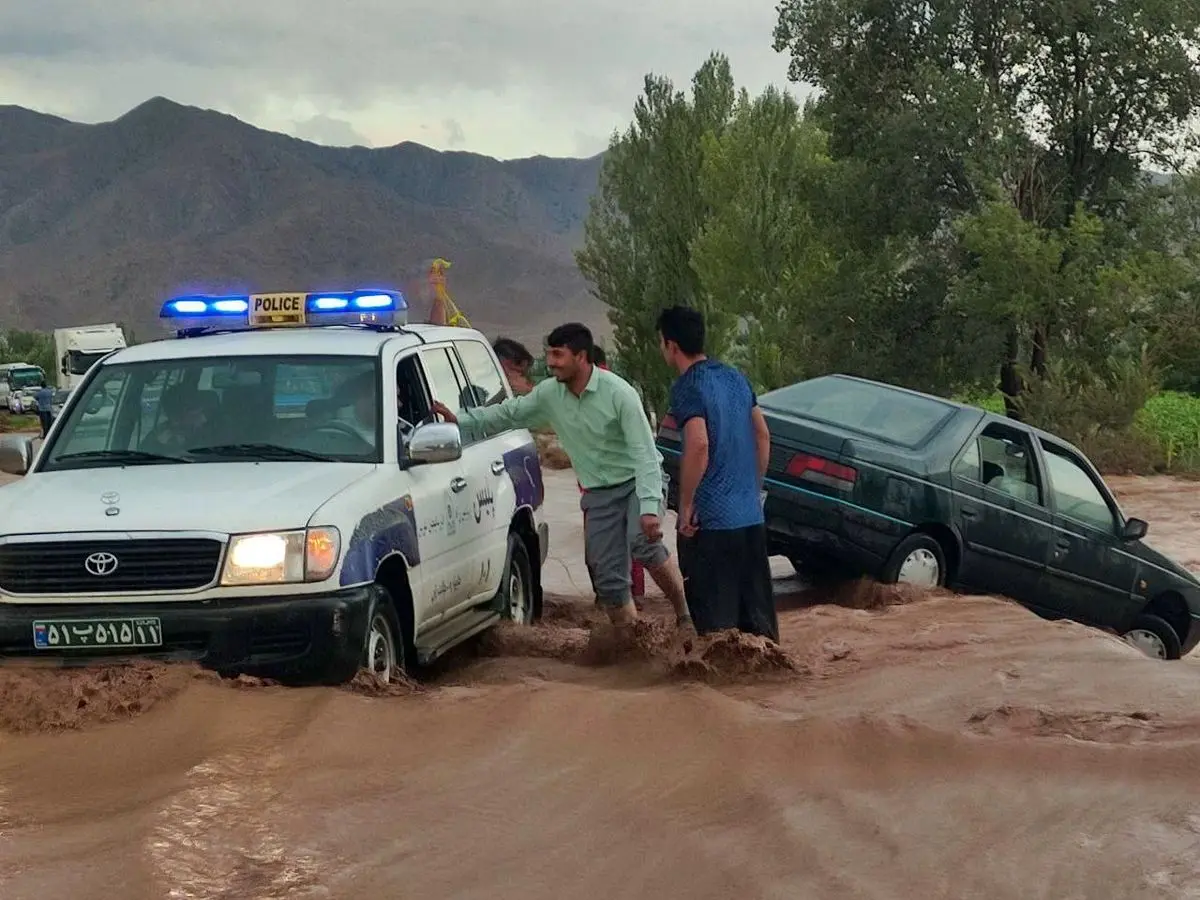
{"x": 944, "y": 746}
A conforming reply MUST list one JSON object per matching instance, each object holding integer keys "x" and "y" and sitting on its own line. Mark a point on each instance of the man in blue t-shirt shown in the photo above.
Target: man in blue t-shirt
{"x": 722, "y": 537}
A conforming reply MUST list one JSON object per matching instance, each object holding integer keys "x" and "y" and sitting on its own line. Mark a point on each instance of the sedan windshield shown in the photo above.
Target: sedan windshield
{"x": 241, "y": 408}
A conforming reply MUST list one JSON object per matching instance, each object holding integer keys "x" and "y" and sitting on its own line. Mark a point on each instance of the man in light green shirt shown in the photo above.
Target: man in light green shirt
{"x": 600, "y": 424}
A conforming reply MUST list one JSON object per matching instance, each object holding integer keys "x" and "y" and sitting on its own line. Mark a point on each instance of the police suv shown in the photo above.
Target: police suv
{"x": 267, "y": 492}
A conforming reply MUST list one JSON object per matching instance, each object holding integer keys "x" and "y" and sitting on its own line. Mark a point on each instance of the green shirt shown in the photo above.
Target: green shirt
{"x": 604, "y": 431}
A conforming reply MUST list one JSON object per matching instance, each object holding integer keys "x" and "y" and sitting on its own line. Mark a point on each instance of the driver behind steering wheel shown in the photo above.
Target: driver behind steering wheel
{"x": 359, "y": 408}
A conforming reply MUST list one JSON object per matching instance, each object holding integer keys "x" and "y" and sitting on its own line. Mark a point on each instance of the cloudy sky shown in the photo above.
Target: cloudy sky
{"x": 504, "y": 77}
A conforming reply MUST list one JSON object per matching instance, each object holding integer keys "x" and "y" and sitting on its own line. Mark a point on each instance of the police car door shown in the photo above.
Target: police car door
{"x": 456, "y": 529}
{"x": 436, "y": 581}
{"x": 495, "y": 498}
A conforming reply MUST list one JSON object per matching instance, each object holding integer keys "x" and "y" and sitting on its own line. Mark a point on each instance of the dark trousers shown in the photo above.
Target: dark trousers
{"x": 727, "y": 581}
{"x": 44, "y": 418}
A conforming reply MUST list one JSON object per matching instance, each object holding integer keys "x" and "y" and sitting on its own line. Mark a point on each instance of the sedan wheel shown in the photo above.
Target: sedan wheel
{"x": 1148, "y": 642}
{"x": 1154, "y": 636}
{"x": 920, "y": 568}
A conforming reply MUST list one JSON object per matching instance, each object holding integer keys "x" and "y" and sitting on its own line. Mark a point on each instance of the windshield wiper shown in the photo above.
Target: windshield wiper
{"x": 268, "y": 452}
{"x": 121, "y": 457}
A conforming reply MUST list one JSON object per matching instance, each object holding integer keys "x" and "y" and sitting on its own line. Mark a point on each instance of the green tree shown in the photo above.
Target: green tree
{"x": 646, "y": 214}
{"x": 33, "y": 347}
{"x": 763, "y": 258}
{"x": 1054, "y": 107}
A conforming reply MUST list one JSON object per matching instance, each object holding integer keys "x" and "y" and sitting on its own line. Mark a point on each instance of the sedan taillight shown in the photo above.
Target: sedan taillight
{"x": 819, "y": 470}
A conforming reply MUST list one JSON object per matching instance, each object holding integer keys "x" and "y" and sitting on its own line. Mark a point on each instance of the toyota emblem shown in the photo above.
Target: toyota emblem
{"x": 101, "y": 564}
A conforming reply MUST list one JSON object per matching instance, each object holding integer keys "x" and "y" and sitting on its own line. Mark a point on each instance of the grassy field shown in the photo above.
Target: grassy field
{"x": 10, "y": 423}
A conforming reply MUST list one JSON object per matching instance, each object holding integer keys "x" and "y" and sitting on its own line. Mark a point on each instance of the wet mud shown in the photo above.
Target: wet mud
{"x": 893, "y": 744}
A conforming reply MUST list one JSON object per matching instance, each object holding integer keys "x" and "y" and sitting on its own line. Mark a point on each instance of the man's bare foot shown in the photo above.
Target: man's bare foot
{"x": 685, "y": 626}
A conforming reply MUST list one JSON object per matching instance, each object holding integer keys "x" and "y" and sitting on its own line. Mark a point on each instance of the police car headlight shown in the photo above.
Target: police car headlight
{"x": 282, "y": 557}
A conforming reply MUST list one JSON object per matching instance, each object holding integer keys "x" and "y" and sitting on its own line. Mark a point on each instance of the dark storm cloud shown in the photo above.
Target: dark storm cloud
{"x": 574, "y": 67}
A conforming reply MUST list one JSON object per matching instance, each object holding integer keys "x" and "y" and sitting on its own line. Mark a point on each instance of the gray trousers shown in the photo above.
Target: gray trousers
{"x": 613, "y": 538}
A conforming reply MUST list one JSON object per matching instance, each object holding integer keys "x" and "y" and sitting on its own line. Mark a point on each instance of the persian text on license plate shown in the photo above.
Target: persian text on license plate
{"x": 88, "y": 634}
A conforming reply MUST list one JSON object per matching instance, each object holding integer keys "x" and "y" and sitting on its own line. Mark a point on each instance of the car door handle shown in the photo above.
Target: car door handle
{"x": 969, "y": 513}
{"x": 1063, "y": 545}
{"x": 458, "y": 484}
{"x": 497, "y": 467}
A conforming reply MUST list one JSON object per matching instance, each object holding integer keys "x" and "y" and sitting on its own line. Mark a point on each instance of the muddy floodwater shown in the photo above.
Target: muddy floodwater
{"x": 899, "y": 746}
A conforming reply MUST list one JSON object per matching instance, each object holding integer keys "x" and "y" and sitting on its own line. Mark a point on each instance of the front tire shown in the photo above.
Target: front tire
{"x": 516, "y": 593}
{"x": 918, "y": 560}
{"x": 384, "y": 644}
{"x": 1154, "y": 636}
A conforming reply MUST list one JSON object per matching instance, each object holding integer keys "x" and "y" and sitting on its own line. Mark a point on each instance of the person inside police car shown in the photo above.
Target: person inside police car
{"x": 358, "y": 406}
{"x": 183, "y": 421}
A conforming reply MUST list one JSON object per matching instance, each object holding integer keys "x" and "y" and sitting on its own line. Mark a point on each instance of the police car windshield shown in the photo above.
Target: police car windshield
{"x": 223, "y": 409}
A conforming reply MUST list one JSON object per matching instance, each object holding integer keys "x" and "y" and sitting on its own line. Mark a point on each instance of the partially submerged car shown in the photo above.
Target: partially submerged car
{"x": 871, "y": 479}
{"x": 268, "y": 493}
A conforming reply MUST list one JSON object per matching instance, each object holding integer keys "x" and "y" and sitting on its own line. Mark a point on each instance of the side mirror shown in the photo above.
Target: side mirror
{"x": 1134, "y": 530}
{"x": 16, "y": 454}
{"x": 433, "y": 442}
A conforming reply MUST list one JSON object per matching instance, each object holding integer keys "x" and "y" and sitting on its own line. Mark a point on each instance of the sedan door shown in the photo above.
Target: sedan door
{"x": 1091, "y": 578}
{"x": 1000, "y": 511}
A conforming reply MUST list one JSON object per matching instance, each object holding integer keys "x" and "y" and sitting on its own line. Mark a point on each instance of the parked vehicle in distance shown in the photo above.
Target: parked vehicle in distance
{"x": 59, "y": 401}
{"x": 18, "y": 382}
{"x": 79, "y": 348}
{"x": 869, "y": 478}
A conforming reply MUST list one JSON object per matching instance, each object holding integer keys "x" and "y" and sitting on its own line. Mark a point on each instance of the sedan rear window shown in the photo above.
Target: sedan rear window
{"x": 877, "y": 411}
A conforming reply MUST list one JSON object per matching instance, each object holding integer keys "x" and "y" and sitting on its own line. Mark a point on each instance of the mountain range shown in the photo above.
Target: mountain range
{"x": 104, "y": 222}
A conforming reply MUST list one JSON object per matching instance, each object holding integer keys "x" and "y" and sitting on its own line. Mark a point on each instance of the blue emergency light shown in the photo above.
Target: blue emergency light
{"x": 246, "y": 312}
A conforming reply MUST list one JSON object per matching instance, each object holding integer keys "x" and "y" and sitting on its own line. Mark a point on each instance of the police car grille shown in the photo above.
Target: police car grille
{"x": 59, "y": 567}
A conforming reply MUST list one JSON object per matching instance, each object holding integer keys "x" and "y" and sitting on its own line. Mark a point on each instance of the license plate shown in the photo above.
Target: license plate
{"x": 88, "y": 634}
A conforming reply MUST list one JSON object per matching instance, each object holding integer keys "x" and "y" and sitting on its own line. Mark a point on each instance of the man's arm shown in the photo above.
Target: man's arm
{"x": 692, "y": 467}
{"x": 524, "y": 411}
{"x": 762, "y": 441}
{"x": 639, "y": 437}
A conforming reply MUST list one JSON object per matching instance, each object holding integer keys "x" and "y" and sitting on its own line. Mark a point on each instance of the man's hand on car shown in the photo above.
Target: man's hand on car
{"x": 444, "y": 411}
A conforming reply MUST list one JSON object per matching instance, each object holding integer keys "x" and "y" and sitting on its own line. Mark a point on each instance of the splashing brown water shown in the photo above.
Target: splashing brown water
{"x": 892, "y": 745}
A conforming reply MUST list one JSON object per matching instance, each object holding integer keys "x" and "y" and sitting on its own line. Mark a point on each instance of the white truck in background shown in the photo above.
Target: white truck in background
{"x": 77, "y": 349}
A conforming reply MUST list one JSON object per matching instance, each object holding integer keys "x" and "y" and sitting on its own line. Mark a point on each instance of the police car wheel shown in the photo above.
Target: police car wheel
{"x": 517, "y": 590}
{"x": 383, "y": 653}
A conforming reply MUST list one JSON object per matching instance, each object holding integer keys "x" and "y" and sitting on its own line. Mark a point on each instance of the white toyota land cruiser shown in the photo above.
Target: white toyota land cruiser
{"x": 267, "y": 493}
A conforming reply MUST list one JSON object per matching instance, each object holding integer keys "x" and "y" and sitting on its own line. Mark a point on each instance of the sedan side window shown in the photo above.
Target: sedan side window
{"x": 1075, "y": 493}
{"x": 967, "y": 465}
{"x": 1006, "y": 463}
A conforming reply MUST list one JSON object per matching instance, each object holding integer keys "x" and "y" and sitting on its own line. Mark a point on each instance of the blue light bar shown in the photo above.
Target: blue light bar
{"x": 282, "y": 310}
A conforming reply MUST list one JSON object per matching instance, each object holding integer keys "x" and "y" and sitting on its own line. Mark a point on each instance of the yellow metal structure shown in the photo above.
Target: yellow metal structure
{"x": 437, "y": 280}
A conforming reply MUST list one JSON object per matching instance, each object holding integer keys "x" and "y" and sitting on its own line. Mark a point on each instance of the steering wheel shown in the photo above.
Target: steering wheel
{"x": 339, "y": 428}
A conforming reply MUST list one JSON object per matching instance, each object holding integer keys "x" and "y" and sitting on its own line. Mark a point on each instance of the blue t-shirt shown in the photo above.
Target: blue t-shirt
{"x": 727, "y": 497}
